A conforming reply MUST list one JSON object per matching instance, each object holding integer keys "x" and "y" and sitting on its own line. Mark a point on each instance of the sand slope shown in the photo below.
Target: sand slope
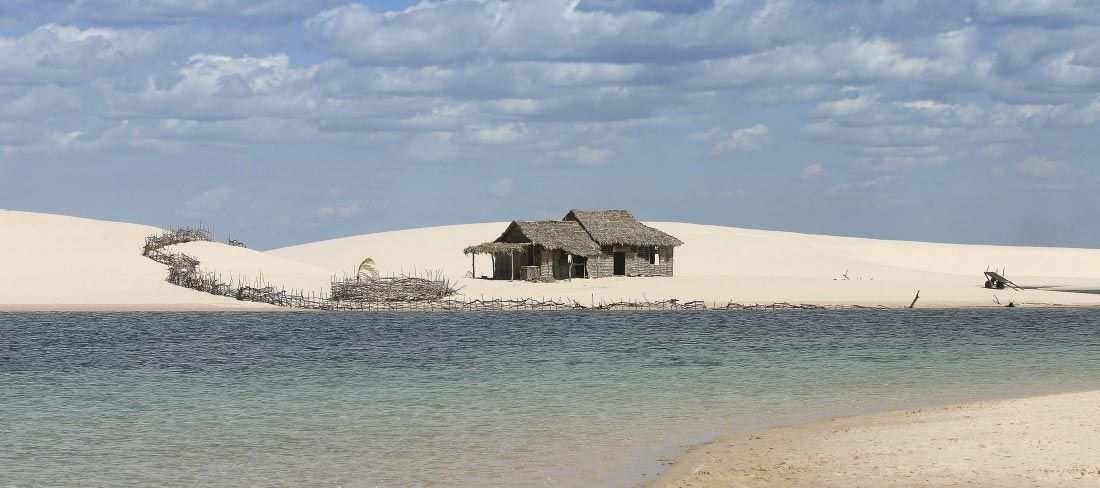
{"x": 1041, "y": 441}
{"x": 718, "y": 264}
{"x": 57, "y": 262}
{"x": 53, "y": 262}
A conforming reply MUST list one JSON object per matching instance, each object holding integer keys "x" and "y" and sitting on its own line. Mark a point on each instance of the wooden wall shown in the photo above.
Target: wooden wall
{"x": 602, "y": 266}
{"x": 637, "y": 263}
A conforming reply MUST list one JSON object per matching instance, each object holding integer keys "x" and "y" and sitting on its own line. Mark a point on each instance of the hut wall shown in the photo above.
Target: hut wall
{"x": 546, "y": 263}
{"x": 603, "y": 265}
{"x": 638, "y": 262}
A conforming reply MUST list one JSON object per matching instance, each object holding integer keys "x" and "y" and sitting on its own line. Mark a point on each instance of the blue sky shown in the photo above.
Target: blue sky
{"x": 284, "y": 121}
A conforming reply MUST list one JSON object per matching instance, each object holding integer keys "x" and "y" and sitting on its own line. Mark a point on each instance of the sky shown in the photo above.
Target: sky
{"x": 285, "y": 121}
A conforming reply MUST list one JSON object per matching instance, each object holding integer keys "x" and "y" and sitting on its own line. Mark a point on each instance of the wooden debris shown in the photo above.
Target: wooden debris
{"x": 392, "y": 289}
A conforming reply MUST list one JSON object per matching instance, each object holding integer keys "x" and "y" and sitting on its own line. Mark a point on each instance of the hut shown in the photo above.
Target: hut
{"x": 584, "y": 244}
{"x": 627, "y": 246}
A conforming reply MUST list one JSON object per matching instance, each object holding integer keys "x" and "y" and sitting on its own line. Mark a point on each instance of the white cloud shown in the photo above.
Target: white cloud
{"x": 431, "y": 147}
{"x": 219, "y": 87}
{"x": 812, "y": 171}
{"x": 847, "y": 107}
{"x": 583, "y": 155}
{"x": 206, "y": 202}
{"x": 862, "y": 185}
{"x": 501, "y": 187}
{"x": 1062, "y": 11}
{"x": 748, "y": 139}
{"x": 64, "y": 54}
{"x": 893, "y": 85}
{"x": 511, "y": 133}
{"x": 158, "y": 11}
{"x": 709, "y": 135}
{"x": 1045, "y": 168}
{"x": 592, "y": 156}
{"x": 342, "y": 211}
{"x": 453, "y": 31}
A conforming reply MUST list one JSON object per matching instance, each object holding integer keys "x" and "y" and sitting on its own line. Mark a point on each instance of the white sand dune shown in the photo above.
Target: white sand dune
{"x": 1049, "y": 440}
{"x": 53, "y": 262}
{"x": 719, "y": 264}
{"x": 255, "y": 268}
{"x": 57, "y": 262}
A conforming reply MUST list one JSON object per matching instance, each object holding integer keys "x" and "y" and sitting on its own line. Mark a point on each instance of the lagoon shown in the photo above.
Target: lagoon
{"x": 462, "y": 399}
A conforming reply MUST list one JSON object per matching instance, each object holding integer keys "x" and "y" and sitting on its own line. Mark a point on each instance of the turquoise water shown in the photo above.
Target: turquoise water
{"x": 456, "y": 399}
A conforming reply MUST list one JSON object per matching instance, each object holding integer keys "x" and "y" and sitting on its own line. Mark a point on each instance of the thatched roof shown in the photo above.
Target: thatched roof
{"x": 567, "y": 236}
{"x": 556, "y": 234}
{"x": 610, "y": 227}
{"x": 495, "y": 247}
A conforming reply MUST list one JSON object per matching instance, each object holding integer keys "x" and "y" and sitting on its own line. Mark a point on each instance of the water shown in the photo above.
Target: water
{"x": 457, "y": 399}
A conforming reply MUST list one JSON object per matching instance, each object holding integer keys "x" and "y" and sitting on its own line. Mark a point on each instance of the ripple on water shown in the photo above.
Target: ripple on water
{"x": 575, "y": 399}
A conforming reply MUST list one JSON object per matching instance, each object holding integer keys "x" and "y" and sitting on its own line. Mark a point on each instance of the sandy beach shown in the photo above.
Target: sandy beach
{"x": 1051, "y": 440}
{"x": 54, "y": 262}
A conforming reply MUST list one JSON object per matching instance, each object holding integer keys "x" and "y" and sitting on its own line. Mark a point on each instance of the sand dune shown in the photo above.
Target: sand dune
{"x": 719, "y": 264}
{"x": 52, "y": 261}
{"x": 1041, "y": 441}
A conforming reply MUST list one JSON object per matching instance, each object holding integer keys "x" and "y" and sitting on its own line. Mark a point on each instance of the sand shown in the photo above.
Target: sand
{"x": 53, "y": 262}
{"x": 1041, "y": 441}
{"x": 58, "y": 263}
{"x": 719, "y": 264}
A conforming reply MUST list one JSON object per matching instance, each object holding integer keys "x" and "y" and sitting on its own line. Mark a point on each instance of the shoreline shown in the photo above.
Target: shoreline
{"x": 1050, "y": 439}
{"x": 245, "y": 306}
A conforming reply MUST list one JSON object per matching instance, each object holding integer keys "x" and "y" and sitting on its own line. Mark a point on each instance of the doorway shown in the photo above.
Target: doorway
{"x": 620, "y": 264}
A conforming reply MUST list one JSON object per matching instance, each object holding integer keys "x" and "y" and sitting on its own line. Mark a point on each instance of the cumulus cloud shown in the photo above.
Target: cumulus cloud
{"x": 501, "y": 187}
{"x": 1045, "y": 168}
{"x": 1050, "y": 12}
{"x": 583, "y": 155}
{"x": 861, "y": 185}
{"x": 156, "y": 11}
{"x": 210, "y": 87}
{"x": 341, "y": 211}
{"x": 431, "y": 147}
{"x": 812, "y": 171}
{"x": 714, "y": 133}
{"x": 891, "y": 85}
{"x": 70, "y": 55}
{"x": 206, "y": 202}
{"x": 747, "y": 139}
{"x": 510, "y": 133}
{"x": 668, "y": 6}
{"x": 453, "y": 31}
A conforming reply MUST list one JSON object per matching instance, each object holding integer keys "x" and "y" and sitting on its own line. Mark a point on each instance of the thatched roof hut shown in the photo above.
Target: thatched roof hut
{"x": 619, "y": 227}
{"x": 554, "y": 235}
{"x": 586, "y": 243}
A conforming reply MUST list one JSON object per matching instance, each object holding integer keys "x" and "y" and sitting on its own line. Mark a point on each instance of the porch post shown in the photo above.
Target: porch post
{"x": 512, "y": 267}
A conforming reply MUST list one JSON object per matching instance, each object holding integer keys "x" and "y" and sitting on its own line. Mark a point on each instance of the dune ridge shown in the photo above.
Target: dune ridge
{"x": 57, "y": 262}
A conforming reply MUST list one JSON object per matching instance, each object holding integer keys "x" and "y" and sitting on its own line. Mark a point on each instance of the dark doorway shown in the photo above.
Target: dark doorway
{"x": 620, "y": 264}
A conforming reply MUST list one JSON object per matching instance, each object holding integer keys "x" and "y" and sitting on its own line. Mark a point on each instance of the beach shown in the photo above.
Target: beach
{"x": 1051, "y": 440}
{"x": 55, "y": 262}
